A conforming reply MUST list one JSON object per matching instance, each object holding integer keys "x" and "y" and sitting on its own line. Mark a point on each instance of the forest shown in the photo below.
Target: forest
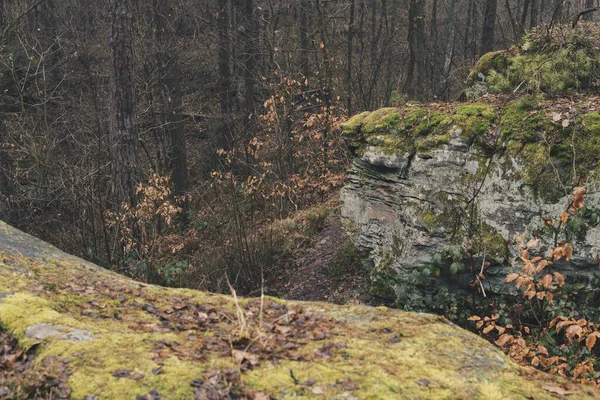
{"x": 227, "y": 114}
{"x": 396, "y": 153}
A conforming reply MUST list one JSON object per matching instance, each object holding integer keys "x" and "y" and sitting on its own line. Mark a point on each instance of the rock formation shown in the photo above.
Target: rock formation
{"x": 439, "y": 190}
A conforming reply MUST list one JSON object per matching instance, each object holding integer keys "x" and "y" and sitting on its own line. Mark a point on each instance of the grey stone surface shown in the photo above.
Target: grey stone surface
{"x": 44, "y": 331}
{"x": 407, "y": 212}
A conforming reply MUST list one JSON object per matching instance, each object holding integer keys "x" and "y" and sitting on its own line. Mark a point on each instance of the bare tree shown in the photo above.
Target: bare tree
{"x": 489, "y": 26}
{"x": 123, "y": 130}
{"x": 170, "y": 94}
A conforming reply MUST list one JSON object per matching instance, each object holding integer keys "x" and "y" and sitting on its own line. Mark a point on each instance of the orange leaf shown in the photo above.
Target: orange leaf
{"x": 568, "y": 251}
{"x": 563, "y": 218}
{"x": 488, "y": 329}
{"x": 503, "y": 340}
{"x": 573, "y": 330}
{"x": 511, "y": 277}
{"x": 474, "y": 318}
{"x": 547, "y": 280}
{"x": 590, "y": 341}
{"x": 560, "y": 279}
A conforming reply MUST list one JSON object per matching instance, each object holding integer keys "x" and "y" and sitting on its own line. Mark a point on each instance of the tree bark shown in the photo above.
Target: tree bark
{"x": 452, "y": 23}
{"x": 349, "y": 51}
{"x": 123, "y": 130}
{"x": 250, "y": 58}
{"x": 524, "y": 15}
{"x": 533, "y": 14}
{"x": 304, "y": 42}
{"x": 170, "y": 95}
{"x": 489, "y": 26}
{"x": 224, "y": 81}
{"x": 589, "y": 4}
{"x": 420, "y": 48}
{"x": 416, "y": 44}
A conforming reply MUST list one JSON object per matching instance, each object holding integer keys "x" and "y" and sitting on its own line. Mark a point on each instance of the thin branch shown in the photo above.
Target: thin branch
{"x": 19, "y": 18}
{"x": 581, "y": 14}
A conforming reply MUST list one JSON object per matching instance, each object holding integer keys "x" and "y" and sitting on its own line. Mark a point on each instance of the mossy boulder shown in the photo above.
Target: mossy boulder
{"x": 120, "y": 339}
{"x": 561, "y": 61}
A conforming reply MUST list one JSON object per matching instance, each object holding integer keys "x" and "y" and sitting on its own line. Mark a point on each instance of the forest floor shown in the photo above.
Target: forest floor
{"x": 327, "y": 269}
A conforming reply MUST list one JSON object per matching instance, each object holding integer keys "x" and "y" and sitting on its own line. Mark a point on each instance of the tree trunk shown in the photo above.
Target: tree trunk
{"x": 413, "y": 85}
{"x": 513, "y": 23}
{"x": 420, "y": 48}
{"x": 304, "y": 42}
{"x": 123, "y": 129}
{"x": 250, "y": 56}
{"x": 449, "y": 53}
{"x": 533, "y": 14}
{"x": 170, "y": 95}
{"x": 589, "y": 4}
{"x": 349, "y": 52}
{"x": 524, "y": 15}
{"x": 489, "y": 26}
{"x": 224, "y": 81}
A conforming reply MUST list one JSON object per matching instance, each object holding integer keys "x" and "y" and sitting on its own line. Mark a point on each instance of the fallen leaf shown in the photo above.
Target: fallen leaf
{"x": 348, "y": 384}
{"x": 317, "y": 390}
{"x": 122, "y": 373}
{"x": 309, "y": 382}
{"x": 424, "y": 382}
{"x": 590, "y": 341}
{"x": 240, "y": 356}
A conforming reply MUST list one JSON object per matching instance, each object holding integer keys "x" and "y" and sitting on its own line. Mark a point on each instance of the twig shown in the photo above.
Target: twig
{"x": 581, "y": 14}
{"x": 479, "y": 280}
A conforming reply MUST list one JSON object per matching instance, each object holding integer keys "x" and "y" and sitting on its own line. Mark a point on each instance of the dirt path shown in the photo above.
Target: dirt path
{"x": 322, "y": 272}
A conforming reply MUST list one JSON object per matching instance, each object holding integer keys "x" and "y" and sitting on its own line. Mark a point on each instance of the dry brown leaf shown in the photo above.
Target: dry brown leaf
{"x": 556, "y": 117}
{"x": 547, "y": 280}
{"x": 590, "y": 341}
{"x": 563, "y": 218}
{"x": 560, "y": 279}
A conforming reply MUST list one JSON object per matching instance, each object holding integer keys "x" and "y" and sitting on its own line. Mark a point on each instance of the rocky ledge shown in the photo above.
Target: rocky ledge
{"x": 440, "y": 192}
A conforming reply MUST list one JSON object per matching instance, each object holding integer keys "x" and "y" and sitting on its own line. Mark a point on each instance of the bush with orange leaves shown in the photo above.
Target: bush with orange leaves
{"x": 548, "y": 335}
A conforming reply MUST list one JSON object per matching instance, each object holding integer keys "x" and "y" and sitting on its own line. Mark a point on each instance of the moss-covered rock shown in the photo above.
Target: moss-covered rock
{"x": 562, "y": 61}
{"x": 141, "y": 338}
{"x": 470, "y": 176}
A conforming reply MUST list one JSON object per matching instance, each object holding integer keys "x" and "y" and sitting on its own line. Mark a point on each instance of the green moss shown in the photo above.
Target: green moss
{"x": 559, "y": 66}
{"x": 489, "y": 62}
{"x": 522, "y": 120}
{"x": 382, "y": 120}
{"x": 490, "y": 242}
{"x": 354, "y": 124}
{"x": 587, "y": 144}
{"x": 430, "y": 219}
{"x": 475, "y": 120}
